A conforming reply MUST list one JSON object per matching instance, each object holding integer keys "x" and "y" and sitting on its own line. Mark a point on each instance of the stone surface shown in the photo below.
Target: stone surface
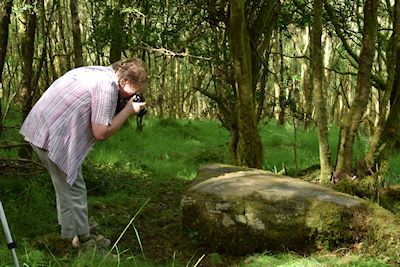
{"x": 240, "y": 210}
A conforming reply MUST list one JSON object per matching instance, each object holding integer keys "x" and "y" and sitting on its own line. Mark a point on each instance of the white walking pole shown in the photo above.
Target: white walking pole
{"x": 11, "y": 245}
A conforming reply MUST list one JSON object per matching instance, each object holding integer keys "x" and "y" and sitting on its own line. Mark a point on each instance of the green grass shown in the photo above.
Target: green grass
{"x": 297, "y": 149}
{"x": 166, "y": 148}
{"x": 291, "y": 260}
{"x": 148, "y": 171}
{"x": 283, "y": 151}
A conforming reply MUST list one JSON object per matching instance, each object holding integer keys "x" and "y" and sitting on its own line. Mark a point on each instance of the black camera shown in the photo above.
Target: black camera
{"x": 121, "y": 103}
{"x": 138, "y": 98}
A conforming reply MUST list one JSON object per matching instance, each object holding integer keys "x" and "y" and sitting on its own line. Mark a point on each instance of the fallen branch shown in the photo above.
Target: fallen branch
{"x": 23, "y": 161}
{"x": 13, "y": 146}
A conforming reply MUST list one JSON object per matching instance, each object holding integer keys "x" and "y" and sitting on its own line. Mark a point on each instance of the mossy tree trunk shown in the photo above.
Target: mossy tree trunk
{"x": 65, "y": 62}
{"x": 249, "y": 148}
{"x": 117, "y": 32}
{"x": 352, "y": 119}
{"x": 6, "y": 8}
{"x": 386, "y": 133}
{"x": 320, "y": 100}
{"x": 4, "y": 29}
{"x": 260, "y": 19}
{"x": 391, "y": 132}
{"x": 76, "y": 33}
{"x": 27, "y": 53}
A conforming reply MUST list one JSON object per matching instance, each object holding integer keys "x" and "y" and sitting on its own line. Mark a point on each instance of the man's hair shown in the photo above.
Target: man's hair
{"x": 133, "y": 70}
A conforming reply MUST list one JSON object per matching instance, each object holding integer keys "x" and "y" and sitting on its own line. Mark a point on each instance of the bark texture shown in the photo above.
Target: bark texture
{"x": 76, "y": 33}
{"x": 117, "y": 25}
{"x": 352, "y": 119}
{"x": 249, "y": 149}
{"x": 320, "y": 101}
{"x": 4, "y": 29}
{"x": 27, "y": 53}
{"x": 386, "y": 133}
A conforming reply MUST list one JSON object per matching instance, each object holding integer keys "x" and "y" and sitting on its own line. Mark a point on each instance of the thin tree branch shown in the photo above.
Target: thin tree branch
{"x": 340, "y": 33}
{"x": 174, "y": 54}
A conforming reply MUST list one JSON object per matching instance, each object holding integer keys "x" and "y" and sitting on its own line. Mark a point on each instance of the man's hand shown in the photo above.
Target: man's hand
{"x": 102, "y": 132}
{"x": 133, "y": 107}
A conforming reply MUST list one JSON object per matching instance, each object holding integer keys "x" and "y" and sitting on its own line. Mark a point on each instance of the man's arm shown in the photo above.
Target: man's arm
{"x": 102, "y": 132}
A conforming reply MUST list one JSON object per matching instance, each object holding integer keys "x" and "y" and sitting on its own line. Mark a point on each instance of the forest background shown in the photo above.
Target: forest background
{"x": 311, "y": 64}
{"x": 307, "y": 63}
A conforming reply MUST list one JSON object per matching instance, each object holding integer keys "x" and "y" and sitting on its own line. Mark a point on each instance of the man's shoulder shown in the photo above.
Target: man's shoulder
{"x": 99, "y": 75}
{"x": 89, "y": 70}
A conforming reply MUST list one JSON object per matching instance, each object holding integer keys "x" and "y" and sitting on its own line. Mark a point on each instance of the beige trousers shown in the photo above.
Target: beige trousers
{"x": 72, "y": 211}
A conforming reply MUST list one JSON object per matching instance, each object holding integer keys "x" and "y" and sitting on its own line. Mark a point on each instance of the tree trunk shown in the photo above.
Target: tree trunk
{"x": 353, "y": 118}
{"x": 117, "y": 24}
{"x": 172, "y": 90}
{"x": 4, "y": 23}
{"x": 61, "y": 41}
{"x": 249, "y": 149}
{"x": 179, "y": 91}
{"x": 163, "y": 84}
{"x": 265, "y": 15}
{"x": 306, "y": 101}
{"x": 27, "y": 52}
{"x": 320, "y": 99}
{"x": 391, "y": 132}
{"x": 43, "y": 27}
{"x": 279, "y": 92}
{"x": 379, "y": 145}
{"x": 76, "y": 33}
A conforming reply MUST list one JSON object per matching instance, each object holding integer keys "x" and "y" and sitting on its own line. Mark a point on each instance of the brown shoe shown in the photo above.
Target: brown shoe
{"x": 99, "y": 242}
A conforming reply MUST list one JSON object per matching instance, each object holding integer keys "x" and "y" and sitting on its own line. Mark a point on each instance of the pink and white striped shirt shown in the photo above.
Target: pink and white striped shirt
{"x": 60, "y": 121}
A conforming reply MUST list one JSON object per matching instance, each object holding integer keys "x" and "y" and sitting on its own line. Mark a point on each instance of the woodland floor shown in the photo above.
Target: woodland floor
{"x": 114, "y": 199}
{"x": 113, "y": 202}
{"x": 145, "y": 184}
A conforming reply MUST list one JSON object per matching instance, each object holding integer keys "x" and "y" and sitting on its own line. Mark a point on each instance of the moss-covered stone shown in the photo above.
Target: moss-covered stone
{"x": 214, "y": 170}
{"x": 368, "y": 187}
{"x": 335, "y": 226}
{"x": 246, "y": 211}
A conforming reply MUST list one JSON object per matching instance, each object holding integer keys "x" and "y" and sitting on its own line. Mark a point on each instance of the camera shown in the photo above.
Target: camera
{"x": 121, "y": 103}
{"x": 138, "y": 98}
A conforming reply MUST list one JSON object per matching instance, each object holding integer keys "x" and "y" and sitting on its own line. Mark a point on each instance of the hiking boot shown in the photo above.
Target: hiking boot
{"x": 99, "y": 242}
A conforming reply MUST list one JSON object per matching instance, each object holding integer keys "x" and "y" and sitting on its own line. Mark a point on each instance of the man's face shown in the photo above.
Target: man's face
{"x": 127, "y": 89}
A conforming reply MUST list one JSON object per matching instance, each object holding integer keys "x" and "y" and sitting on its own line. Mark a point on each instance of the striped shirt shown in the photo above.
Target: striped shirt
{"x": 60, "y": 121}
